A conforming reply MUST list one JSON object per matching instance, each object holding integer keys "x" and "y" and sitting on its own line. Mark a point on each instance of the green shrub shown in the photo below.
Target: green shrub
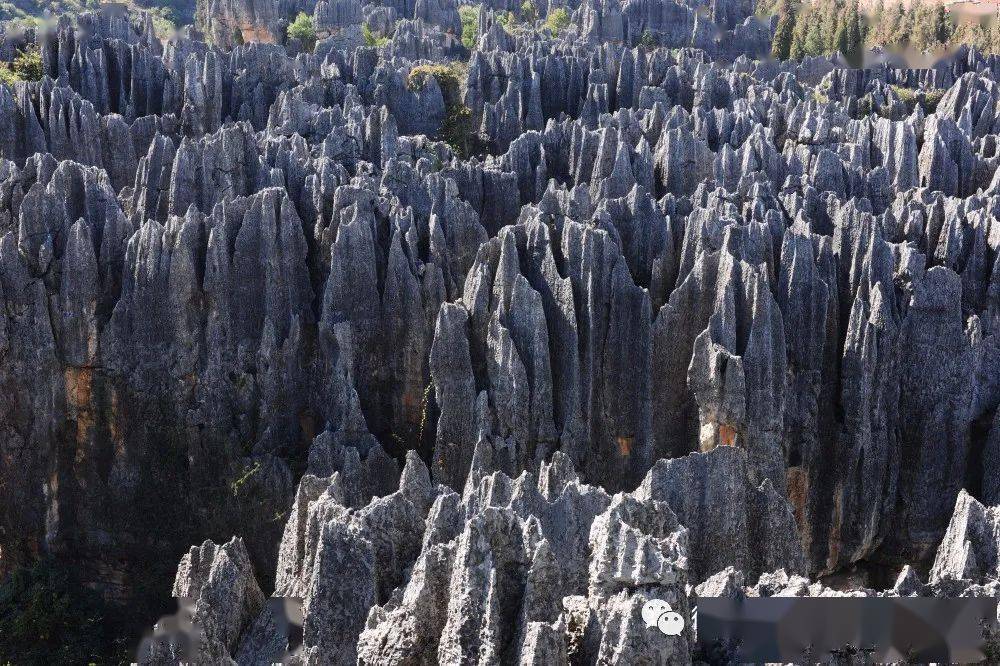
{"x": 457, "y": 129}
{"x": 931, "y": 100}
{"x": 303, "y": 29}
{"x": 556, "y": 21}
{"x": 906, "y": 95}
{"x": 373, "y": 38}
{"x": 865, "y": 105}
{"x": 470, "y": 24}
{"x": 47, "y": 617}
{"x": 928, "y": 99}
{"x": 529, "y": 12}
{"x": 647, "y": 40}
{"x": 163, "y": 25}
{"x": 506, "y": 21}
{"x": 449, "y": 78}
{"x": 27, "y": 66}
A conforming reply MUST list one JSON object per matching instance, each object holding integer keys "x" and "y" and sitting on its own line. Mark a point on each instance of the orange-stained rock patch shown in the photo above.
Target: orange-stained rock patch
{"x": 253, "y": 33}
{"x": 797, "y": 483}
{"x": 79, "y": 382}
{"x": 727, "y": 435}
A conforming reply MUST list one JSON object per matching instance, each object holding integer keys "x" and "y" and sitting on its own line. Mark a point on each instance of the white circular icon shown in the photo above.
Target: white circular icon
{"x": 652, "y": 611}
{"x": 658, "y": 613}
{"x": 671, "y": 623}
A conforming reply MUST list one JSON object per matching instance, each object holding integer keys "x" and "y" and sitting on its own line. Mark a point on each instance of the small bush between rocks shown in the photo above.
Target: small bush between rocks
{"x": 470, "y": 24}
{"x": 373, "y": 38}
{"x": 27, "y": 66}
{"x": 48, "y": 617}
{"x": 456, "y": 130}
{"x": 557, "y": 21}
{"x": 303, "y": 29}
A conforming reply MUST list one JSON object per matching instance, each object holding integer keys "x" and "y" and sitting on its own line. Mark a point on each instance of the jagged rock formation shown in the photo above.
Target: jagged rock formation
{"x": 528, "y": 570}
{"x": 682, "y": 312}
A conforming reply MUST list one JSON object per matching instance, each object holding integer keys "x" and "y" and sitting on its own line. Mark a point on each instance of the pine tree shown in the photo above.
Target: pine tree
{"x": 892, "y": 26}
{"x": 982, "y": 38}
{"x": 942, "y": 26}
{"x": 904, "y": 26}
{"x": 781, "y": 46}
{"x": 802, "y": 22}
{"x": 993, "y": 45}
{"x": 851, "y": 42}
{"x": 814, "y": 44}
{"x": 830, "y": 25}
{"x": 840, "y": 40}
{"x": 920, "y": 26}
{"x": 874, "y": 24}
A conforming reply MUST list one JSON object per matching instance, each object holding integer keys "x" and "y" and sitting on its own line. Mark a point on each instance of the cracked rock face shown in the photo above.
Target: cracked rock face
{"x": 475, "y": 360}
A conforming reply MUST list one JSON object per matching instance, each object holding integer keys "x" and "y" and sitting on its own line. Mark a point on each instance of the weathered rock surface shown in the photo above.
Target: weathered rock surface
{"x": 656, "y": 313}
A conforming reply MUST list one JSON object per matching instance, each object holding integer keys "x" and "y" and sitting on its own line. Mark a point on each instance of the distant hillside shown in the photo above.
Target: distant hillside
{"x": 26, "y": 9}
{"x": 926, "y": 27}
{"x": 178, "y": 12}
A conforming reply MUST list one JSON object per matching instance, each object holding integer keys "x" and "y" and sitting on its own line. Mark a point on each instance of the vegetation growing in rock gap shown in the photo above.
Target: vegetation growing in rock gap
{"x": 529, "y": 12}
{"x": 457, "y": 129}
{"x": 373, "y": 38}
{"x": 557, "y": 21}
{"x": 470, "y": 24}
{"x": 27, "y": 66}
{"x": 49, "y": 617}
{"x": 303, "y": 29}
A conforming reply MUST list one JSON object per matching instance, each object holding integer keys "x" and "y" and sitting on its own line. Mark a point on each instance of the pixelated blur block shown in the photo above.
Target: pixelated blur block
{"x": 807, "y": 630}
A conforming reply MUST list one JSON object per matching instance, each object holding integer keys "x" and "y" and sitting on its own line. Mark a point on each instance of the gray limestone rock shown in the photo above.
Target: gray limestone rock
{"x": 227, "y": 597}
{"x": 476, "y": 352}
{"x": 731, "y": 519}
{"x": 969, "y": 548}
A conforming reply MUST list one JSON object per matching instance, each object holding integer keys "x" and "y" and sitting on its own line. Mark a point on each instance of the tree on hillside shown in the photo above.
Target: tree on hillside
{"x": 899, "y": 27}
{"x": 923, "y": 31}
{"x": 781, "y": 46}
{"x": 814, "y": 44}
{"x": 992, "y": 43}
{"x": 829, "y": 25}
{"x": 943, "y": 27}
{"x": 875, "y": 14}
{"x": 850, "y": 42}
{"x": 802, "y": 21}
{"x": 882, "y": 24}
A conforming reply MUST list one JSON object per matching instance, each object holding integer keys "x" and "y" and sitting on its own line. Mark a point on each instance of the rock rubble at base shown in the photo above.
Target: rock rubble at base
{"x": 538, "y": 569}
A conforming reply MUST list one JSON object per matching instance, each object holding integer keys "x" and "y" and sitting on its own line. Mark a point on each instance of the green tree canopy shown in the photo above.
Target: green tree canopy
{"x": 304, "y": 29}
{"x": 27, "y": 66}
{"x": 851, "y": 44}
{"x": 557, "y": 21}
{"x": 781, "y": 46}
{"x": 529, "y": 13}
{"x": 470, "y": 24}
